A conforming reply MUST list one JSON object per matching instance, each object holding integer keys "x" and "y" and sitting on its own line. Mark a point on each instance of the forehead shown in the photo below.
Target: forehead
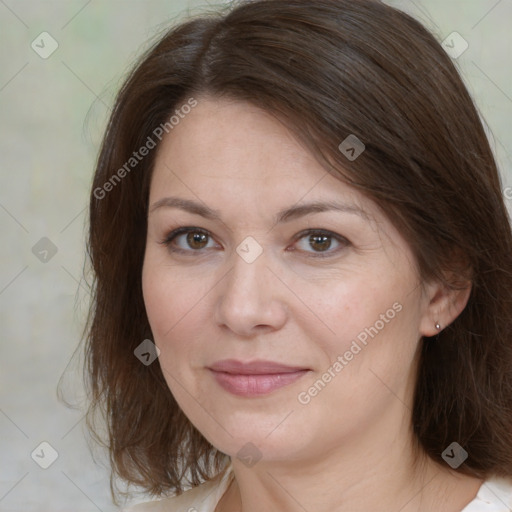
{"x": 232, "y": 149}
{"x": 235, "y": 139}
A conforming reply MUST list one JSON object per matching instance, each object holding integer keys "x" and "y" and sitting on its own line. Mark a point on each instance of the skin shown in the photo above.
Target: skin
{"x": 288, "y": 306}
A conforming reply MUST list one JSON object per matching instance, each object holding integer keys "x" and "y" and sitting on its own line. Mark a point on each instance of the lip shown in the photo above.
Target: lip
{"x": 257, "y": 367}
{"x": 254, "y": 378}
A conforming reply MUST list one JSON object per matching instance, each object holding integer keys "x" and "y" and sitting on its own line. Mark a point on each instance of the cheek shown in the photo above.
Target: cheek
{"x": 168, "y": 298}
{"x": 370, "y": 322}
{"x": 157, "y": 300}
{"x": 342, "y": 310}
{"x": 175, "y": 305}
{"x": 367, "y": 365}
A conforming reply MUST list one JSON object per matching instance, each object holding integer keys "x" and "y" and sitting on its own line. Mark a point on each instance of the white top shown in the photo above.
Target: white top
{"x": 494, "y": 495}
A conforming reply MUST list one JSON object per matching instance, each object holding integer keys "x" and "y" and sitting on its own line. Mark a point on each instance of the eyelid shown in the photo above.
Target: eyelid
{"x": 343, "y": 241}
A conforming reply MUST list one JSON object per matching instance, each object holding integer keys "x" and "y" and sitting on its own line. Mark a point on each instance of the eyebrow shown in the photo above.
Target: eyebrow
{"x": 285, "y": 215}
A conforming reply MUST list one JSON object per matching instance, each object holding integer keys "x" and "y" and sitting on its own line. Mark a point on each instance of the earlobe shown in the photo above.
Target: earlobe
{"x": 444, "y": 306}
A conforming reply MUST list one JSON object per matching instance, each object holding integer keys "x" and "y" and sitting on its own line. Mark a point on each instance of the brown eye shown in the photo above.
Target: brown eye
{"x": 187, "y": 239}
{"x": 196, "y": 240}
{"x": 321, "y": 242}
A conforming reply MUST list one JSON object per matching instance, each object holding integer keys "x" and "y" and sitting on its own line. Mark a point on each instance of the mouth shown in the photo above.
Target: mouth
{"x": 255, "y": 378}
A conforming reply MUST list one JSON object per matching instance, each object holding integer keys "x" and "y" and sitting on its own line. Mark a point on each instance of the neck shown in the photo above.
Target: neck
{"x": 388, "y": 474}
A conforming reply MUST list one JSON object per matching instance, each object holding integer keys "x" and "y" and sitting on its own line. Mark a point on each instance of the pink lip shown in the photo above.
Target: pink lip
{"x": 255, "y": 378}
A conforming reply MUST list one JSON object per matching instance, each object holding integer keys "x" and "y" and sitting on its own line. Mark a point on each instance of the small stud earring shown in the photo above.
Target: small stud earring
{"x": 438, "y": 327}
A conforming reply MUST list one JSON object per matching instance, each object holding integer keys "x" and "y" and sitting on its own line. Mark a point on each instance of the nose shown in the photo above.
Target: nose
{"x": 251, "y": 299}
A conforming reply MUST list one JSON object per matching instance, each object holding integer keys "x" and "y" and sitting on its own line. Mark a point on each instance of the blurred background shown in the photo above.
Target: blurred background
{"x": 61, "y": 65}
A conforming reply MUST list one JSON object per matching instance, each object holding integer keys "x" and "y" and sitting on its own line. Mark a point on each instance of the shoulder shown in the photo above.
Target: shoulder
{"x": 203, "y": 498}
{"x": 495, "y": 495}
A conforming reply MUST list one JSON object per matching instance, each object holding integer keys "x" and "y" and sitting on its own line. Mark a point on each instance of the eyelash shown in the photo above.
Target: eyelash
{"x": 185, "y": 230}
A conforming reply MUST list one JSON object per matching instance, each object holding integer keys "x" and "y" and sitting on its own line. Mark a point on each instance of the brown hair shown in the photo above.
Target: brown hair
{"x": 328, "y": 69}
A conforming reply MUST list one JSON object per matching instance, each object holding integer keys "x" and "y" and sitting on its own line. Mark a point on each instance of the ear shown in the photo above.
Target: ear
{"x": 443, "y": 305}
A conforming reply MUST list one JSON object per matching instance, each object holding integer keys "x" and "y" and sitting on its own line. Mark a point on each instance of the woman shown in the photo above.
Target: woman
{"x": 303, "y": 261}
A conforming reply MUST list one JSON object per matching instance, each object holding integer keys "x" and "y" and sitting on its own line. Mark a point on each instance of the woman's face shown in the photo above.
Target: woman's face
{"x": 331, "y": 294}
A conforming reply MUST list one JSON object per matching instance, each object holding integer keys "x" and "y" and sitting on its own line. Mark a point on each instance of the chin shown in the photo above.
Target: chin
{"x": 257, "y": 441}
